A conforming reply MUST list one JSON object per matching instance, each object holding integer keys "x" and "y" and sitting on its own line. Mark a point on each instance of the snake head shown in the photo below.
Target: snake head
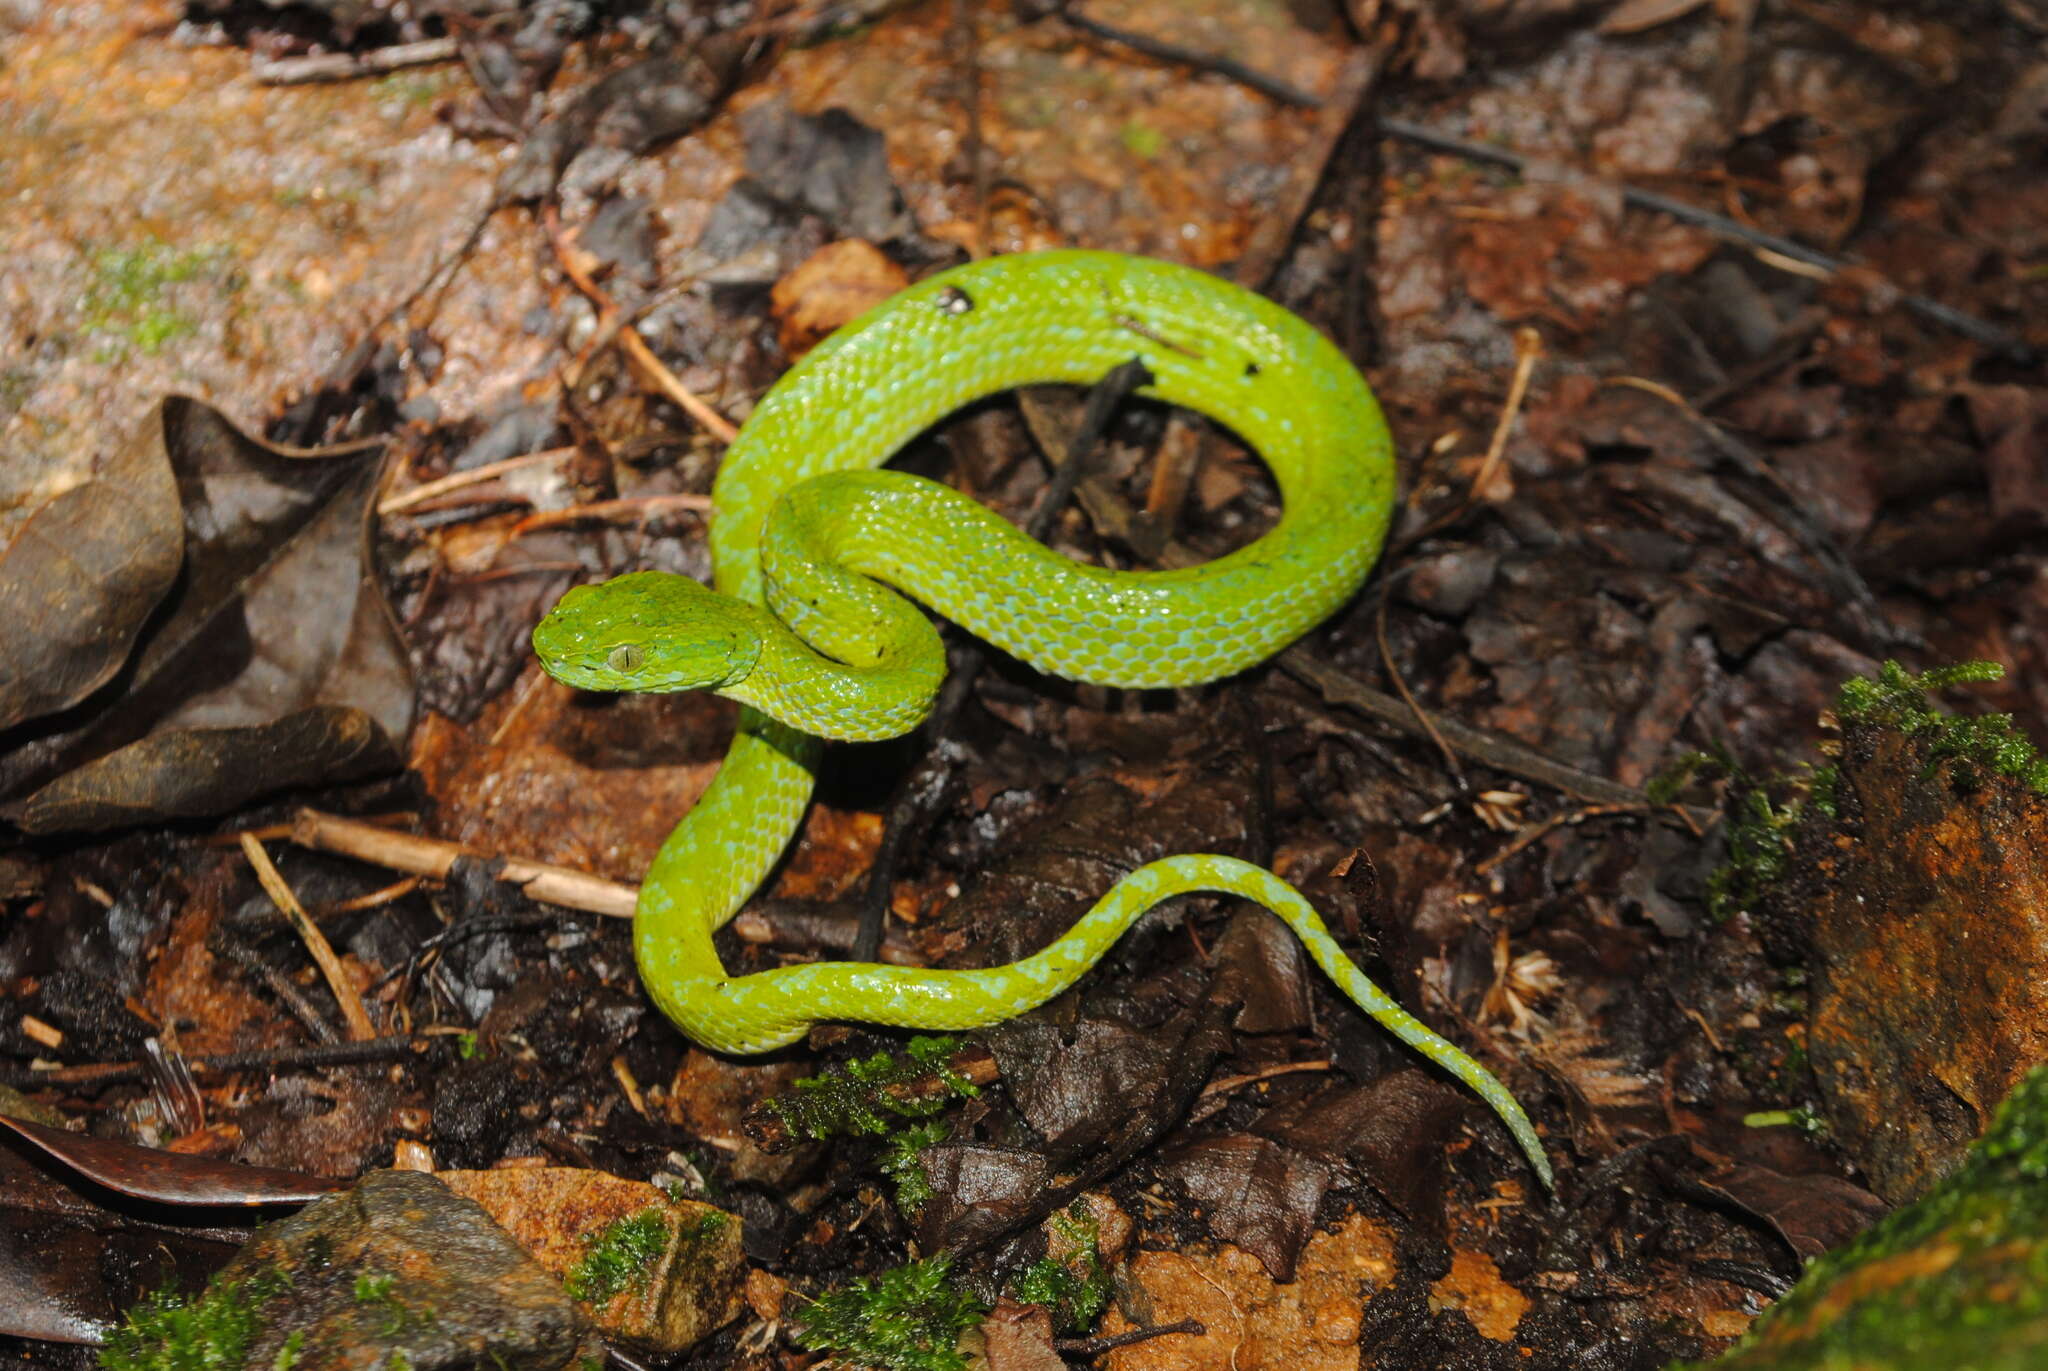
{"x": 648, "y": 630}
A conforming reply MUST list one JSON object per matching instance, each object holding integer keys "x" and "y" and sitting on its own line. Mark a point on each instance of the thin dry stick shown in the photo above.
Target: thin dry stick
{"x": 360, "y": 1028}
{"x": 638, "y": 354}
{"x": 1227, "y": 1084}
{"x": 967, "y": 64}
{"x": 559, "y": 885}
{"x": 636, "y": 507}
{"x": 1422, "y": 719}
{"x": 1492, "y": 750}
{"x": 1569, "y": 817}
{"x": 397, "y": 890}
{"x": 1307, "y": 170}
{"x": 651, "y": 369}
{"x": 1528, "y": 350}
{"x": 348, "y": 66}
{"x": 227, "y": 1064}
{"x": 475, "y": 476}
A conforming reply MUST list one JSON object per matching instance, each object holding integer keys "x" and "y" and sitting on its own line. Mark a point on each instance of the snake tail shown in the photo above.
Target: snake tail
{"x": 768, "y": 1009}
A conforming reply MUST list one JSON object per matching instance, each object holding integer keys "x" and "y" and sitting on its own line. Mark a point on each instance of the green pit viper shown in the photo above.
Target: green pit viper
{"x": 805, "y": 632}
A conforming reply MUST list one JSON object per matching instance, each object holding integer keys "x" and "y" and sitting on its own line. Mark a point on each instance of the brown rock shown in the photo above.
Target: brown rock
{"x": 1929, "y": 955}
{"x": 694, "y": 1285}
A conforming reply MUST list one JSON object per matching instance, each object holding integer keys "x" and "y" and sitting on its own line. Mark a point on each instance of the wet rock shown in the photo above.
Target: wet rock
{"x": 402, "y": 1271}
{"x": 1951, "y": 1281}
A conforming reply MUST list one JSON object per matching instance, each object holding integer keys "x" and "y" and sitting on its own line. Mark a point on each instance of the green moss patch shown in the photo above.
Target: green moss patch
{"x": 168, "y": 1331}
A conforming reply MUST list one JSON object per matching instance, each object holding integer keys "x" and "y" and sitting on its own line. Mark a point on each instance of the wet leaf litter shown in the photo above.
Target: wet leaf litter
{"x": 1667, "y": 486}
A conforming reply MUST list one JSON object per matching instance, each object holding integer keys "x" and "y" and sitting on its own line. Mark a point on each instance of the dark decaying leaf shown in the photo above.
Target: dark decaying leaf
{"x": 193, "y": 772}
{"x": 50, "y": 1284}
{"x": 1078, "y": 1083}
{"x": 1255, "y": 1193}
{"x": 831, "y": 165}
{"x": 1113, "y": 1120}
{"x": 66, "y": 1278}
{"x": 1261, "y": 965}
{"x": 1812, "y": 1213}
{"x": 1018, "y": 1337}
{"x": 982, "y": 1191}
{"x": 70, "y": 1262}
{"x": 2014, "y": 423}
{"x": 82, "y": 577}
{"x": 1394, "y": 1130}
{"x": 275, "y": 614}
{"x": 149, "y": 1173}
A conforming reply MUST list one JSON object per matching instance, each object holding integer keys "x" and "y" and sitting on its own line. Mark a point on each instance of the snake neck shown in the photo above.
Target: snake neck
{"x": 881, "y": 693}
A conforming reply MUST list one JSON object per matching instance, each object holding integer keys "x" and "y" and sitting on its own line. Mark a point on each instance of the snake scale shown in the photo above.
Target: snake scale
{"x": 803, "y": 628}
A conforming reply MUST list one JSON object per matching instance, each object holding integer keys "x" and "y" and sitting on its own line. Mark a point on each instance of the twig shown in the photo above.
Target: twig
{"x": 1416, "y": 713}
{"x": 638, "y": 354}
{"x": 360, "y": 1029}
{"x": 460, "y": 932}
{"x": 1095, "y": 1347}
{"x": 966, "y": 43}
{"x": 635, "y": 506}
{"x": 1267, "y": 247}
{"x": 475, "y": 476}
{"x": 1230, "y": 1084}
{"x": 1535, "y": 831}
{"x": 558, "y": 885}
{"x": 1237, "y": 71}
{"x": 394, "y": 1048}
{"x": 373, "y": 899}
{"x": 1487, "y": 749}
{"x": 1848, "y": 583}
{"x": 348, "y": 66}
{"x": 228, "y": 945}
{"x": 1528, "y": 351}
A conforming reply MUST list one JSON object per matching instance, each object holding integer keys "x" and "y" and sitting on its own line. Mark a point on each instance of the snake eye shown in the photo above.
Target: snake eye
{"x": 625, "y": 658}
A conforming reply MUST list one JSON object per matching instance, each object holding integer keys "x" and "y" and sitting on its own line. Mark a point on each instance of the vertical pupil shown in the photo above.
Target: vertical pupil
{"x": 624, "y": 657}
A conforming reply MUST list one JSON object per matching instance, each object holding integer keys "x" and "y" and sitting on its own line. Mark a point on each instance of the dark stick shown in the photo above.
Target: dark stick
{"x": 1191, "y": 57}
{"x": 395, "y": 1048}
{"x": 1095, "y": 1347}
{"x": 241, "y": 954}
{"x": 918, "y": 796}
{"x": 1488, "y": 749}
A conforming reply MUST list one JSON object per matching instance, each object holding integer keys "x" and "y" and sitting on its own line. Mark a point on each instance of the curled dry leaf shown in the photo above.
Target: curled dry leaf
{"x": 269, "y": 658}
{"x": 80, "y": 580}
{"x": 195, "y": 771}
